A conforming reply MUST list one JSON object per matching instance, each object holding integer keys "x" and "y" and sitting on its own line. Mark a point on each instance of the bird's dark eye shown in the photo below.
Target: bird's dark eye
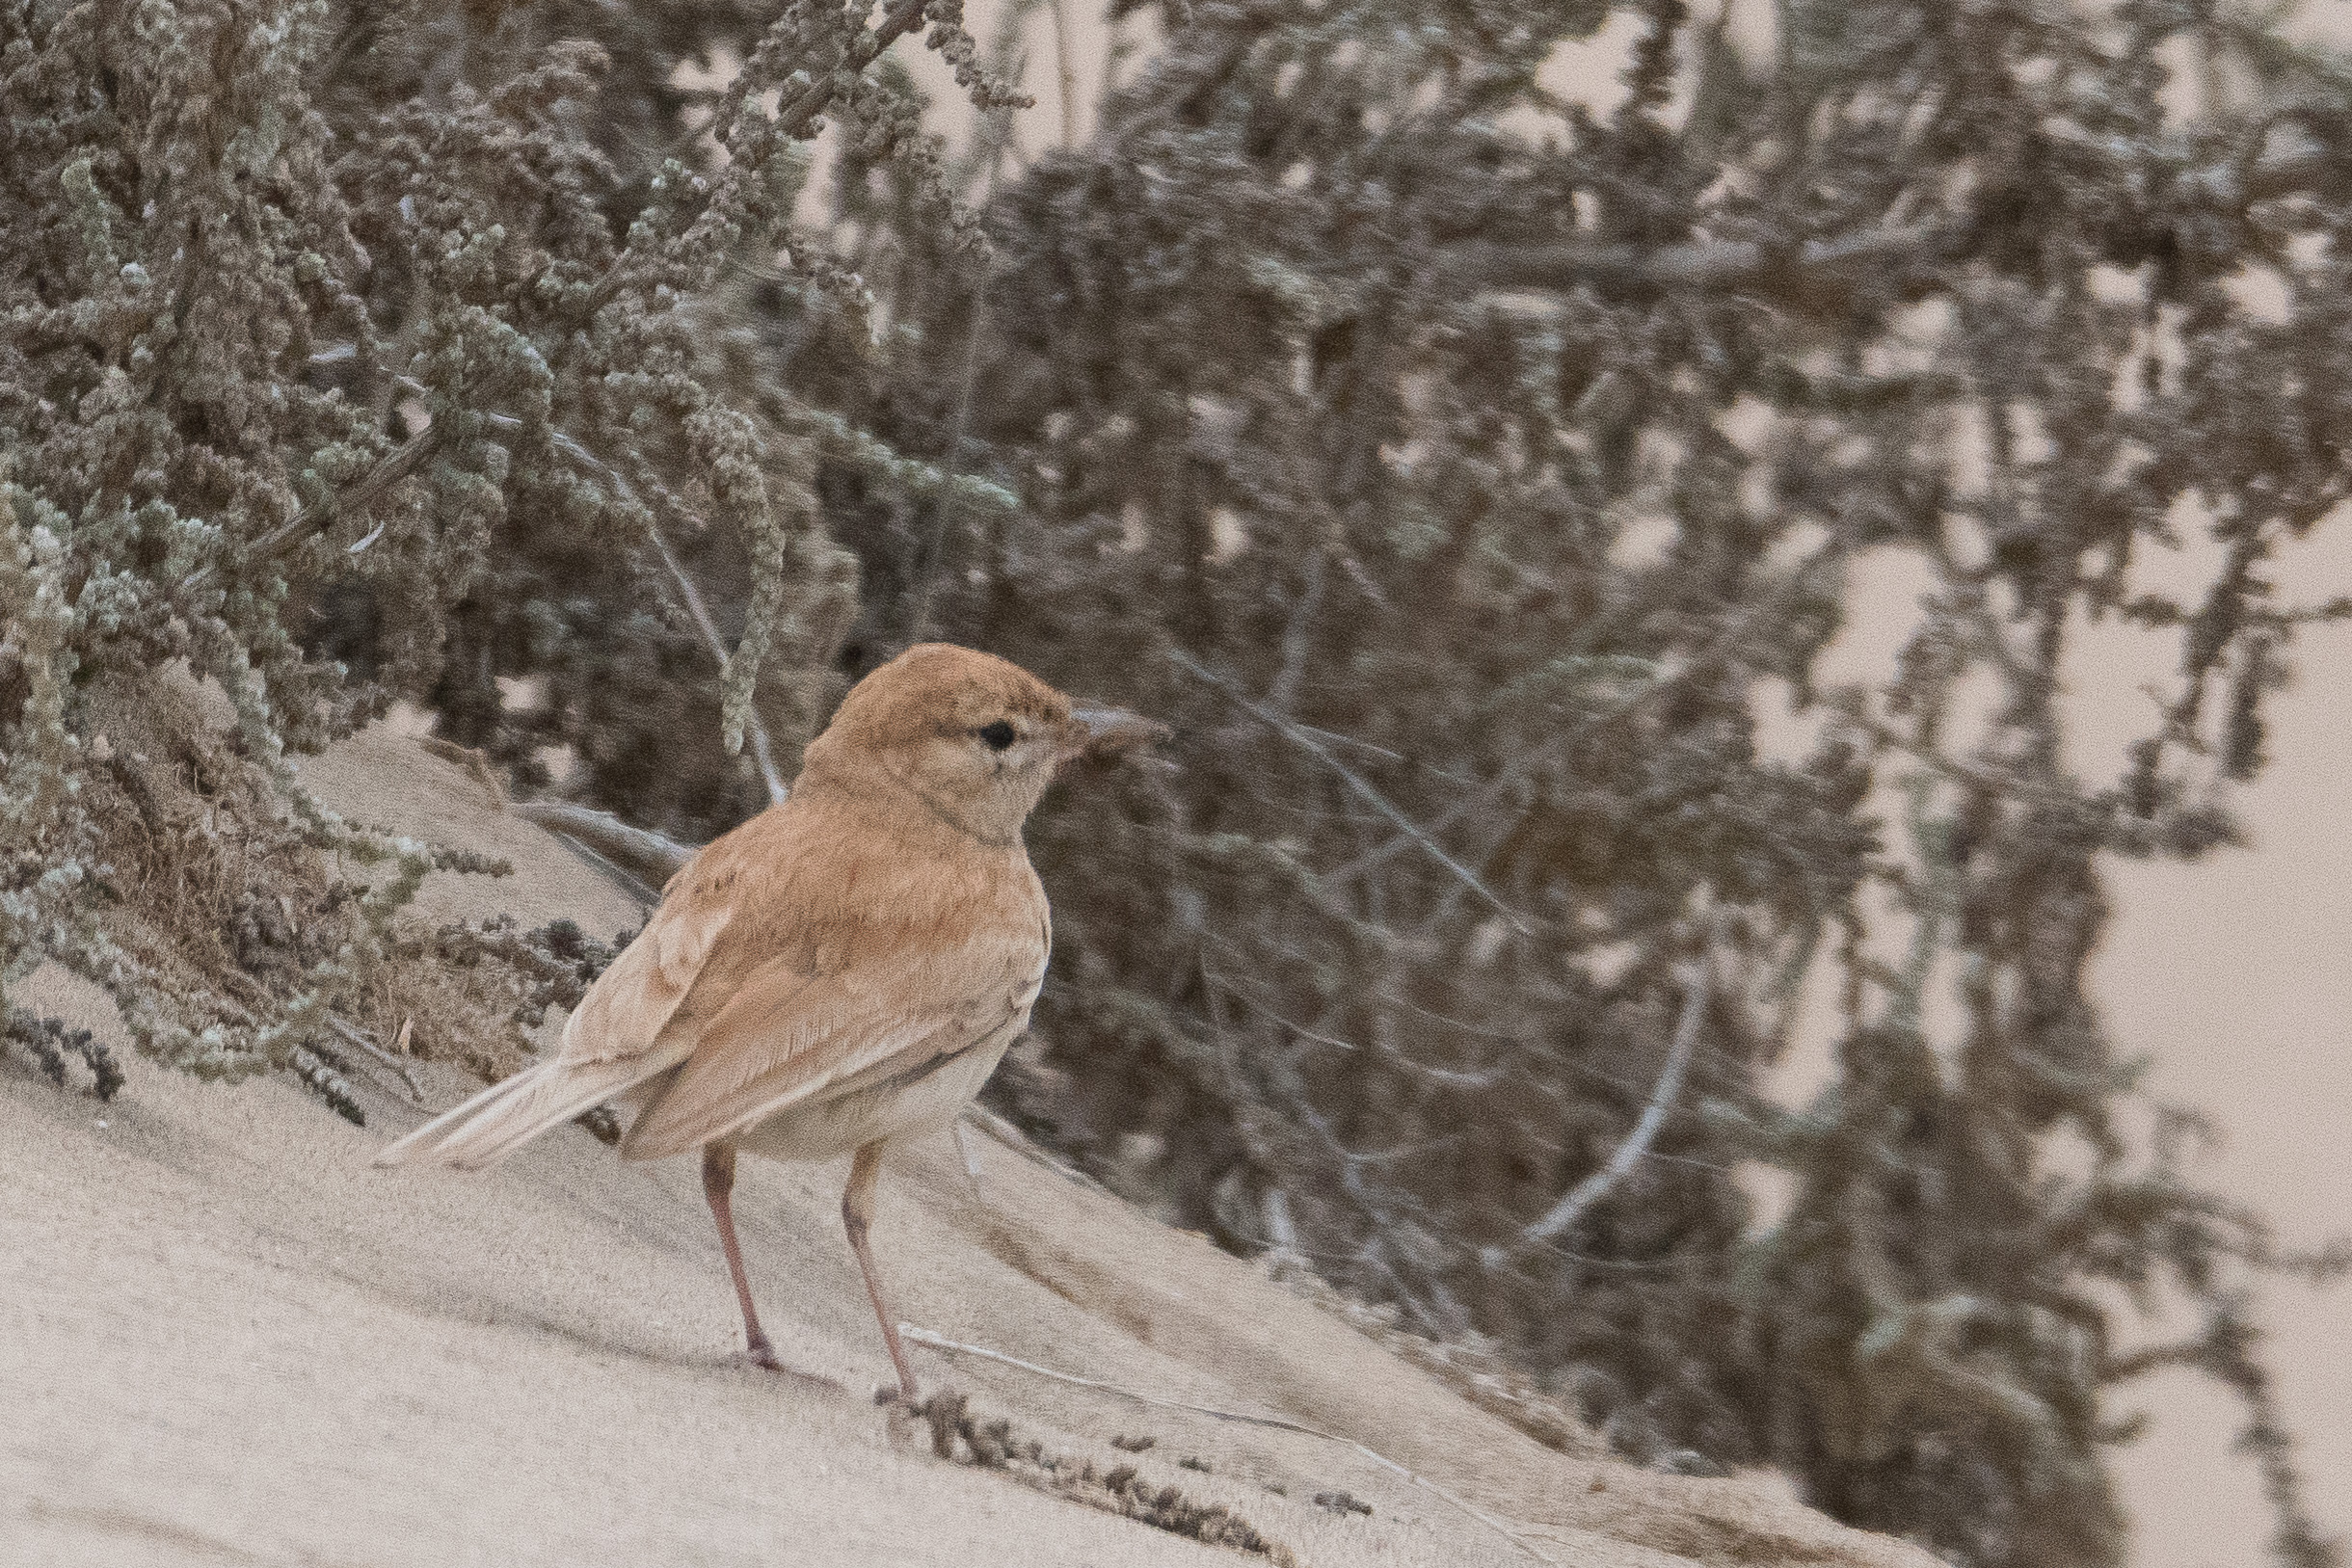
{"x": 998, "y": 735}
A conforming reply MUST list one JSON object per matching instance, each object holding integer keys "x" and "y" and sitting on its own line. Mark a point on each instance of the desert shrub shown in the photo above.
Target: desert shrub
{"x": 355, "y": 352}
{"x": 1469, "y": 476}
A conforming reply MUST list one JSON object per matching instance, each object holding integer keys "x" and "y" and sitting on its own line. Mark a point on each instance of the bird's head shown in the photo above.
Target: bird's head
{"x": 975, "y": 738}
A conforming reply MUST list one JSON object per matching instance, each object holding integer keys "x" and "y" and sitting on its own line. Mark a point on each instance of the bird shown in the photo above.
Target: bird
{"x": 838, "y": 974}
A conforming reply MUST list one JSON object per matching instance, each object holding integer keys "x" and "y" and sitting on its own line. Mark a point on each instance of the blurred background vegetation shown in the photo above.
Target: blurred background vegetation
{"x": 1474, "y": 474}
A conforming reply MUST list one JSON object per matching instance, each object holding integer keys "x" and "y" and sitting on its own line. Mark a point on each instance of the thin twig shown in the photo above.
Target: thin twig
{"x": 760, "y": 750}
{"x": 1700, "y": 265}
{"x": 1364, "y": 791}
{"x": 396, "y": 465}
{"x": 1722, "y": 645}
{"x": 1563, "y": 1215}
{"x": 1450, "y": 1078}
{"x": 1294, "y": 637}
{"x": 969, "y": 1156}
{"x": 361, "y": 1040}
{"x": 575, "y": 451}
{"x": 646, "y": 859}
{"x": 1064, "y": 71}
{"x": 1279, "y": 1423}
{"x": 1013, "y": 1138}
{"x": 944, "y": 510}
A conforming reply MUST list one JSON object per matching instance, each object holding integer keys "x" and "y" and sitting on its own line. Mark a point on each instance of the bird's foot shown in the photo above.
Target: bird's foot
{"x": 762, "y": 1355}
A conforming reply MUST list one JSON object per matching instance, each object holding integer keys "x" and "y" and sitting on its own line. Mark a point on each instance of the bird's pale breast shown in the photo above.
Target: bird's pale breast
{"x": 918, "y": 1104}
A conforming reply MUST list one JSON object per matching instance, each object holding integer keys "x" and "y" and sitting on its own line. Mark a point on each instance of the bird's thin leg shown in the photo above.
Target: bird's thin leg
{"x": 857, "y": 1214}
{"x": 718, "y": 1189}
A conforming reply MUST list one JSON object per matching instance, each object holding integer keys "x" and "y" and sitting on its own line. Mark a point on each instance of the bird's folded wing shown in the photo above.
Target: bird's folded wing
{"x": 787, "y": 1037}
{"x": 634, "y": 999}
{"x": 617, "y": 1038}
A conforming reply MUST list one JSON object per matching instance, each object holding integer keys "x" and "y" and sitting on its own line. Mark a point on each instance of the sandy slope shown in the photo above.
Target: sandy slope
{"x": 226, "y": 1339}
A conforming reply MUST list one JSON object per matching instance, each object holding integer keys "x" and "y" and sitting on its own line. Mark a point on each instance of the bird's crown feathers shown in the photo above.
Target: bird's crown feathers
{"x": 937, "y": 689}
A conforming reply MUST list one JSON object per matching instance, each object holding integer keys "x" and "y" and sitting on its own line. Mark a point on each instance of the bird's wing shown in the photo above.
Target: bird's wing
{"x": 632, "y": 1002}
{"x": 618, "y": 1037}
{"x": 786, "y": 1036}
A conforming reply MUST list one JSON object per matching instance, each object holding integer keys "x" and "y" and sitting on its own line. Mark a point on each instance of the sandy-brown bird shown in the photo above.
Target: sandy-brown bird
{"x": 842, "y": 972}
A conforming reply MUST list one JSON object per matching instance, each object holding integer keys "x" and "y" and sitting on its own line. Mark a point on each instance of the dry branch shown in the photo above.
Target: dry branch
{"x": 1355, "y": 782}
{"x": 1563, "y": 1215}
{"x": 646, "y": 855}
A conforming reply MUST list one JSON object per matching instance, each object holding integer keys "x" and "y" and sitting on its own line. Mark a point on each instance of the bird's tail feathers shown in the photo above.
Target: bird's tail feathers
{"x": 505, "y": 1116}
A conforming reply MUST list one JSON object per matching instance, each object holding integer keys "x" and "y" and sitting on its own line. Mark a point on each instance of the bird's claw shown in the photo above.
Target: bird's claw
{"x": 763, "y": 1356}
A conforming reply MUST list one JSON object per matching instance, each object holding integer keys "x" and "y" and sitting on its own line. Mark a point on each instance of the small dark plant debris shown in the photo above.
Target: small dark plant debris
{"x": 1342, "y": 1502}
{"x": 1132, "y": 1444}
{"x": 1188, "y": 1462}
{"x": 48, "y": 1041}
{"x": 325, "y": 1074}
{"x": 993, "y": 1445}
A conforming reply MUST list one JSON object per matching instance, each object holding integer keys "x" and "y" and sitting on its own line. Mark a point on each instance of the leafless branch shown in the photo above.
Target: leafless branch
{"x": 361, "y": 1040}
{"x": 1702, "y": 264}
{"x": 389, "y": 471}
{"x": 1067, "y": 75}
{"x": 1354, "y": 781}
{"x": 1721, "y": 646}
{"x": 759, "y": 749}
{"x": 1294, "y": 637}
{"x": 646, "y": 858}
{"x": 944, "y": 509}
{"x": 1707, "y": 264}
{"x": 1562, "y": 1216}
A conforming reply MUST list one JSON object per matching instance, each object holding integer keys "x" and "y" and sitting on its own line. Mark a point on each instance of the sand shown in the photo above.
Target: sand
{"x": 226, "y": 1339}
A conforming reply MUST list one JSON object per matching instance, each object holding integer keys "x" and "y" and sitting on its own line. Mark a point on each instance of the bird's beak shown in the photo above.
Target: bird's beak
{"x": 1101, "y": 734}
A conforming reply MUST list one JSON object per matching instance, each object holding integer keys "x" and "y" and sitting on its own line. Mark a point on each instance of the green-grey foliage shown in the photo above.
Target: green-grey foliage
{"x": 348, "y": 351}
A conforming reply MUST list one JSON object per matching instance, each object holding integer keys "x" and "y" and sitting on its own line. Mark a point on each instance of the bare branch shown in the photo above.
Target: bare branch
{"x": 1066, "y": 76}
{"x": 389, "y": 471}
{"x": 1723, "y": 645}
{"x": 1710, "y": 264}
{"x": 759, "y": 749}
{"x": 1355, "y": 782}
{"x": 1562, "y": 1216}
{"x": 1703, "y": 264}
{"x": 646, "y": 856}
{"x": 359, "y": 1039}
{"x": 1294, "y": 637}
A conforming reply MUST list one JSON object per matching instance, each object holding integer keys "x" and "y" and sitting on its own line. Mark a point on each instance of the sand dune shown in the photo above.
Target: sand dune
{"x": 226, "y": 1339}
